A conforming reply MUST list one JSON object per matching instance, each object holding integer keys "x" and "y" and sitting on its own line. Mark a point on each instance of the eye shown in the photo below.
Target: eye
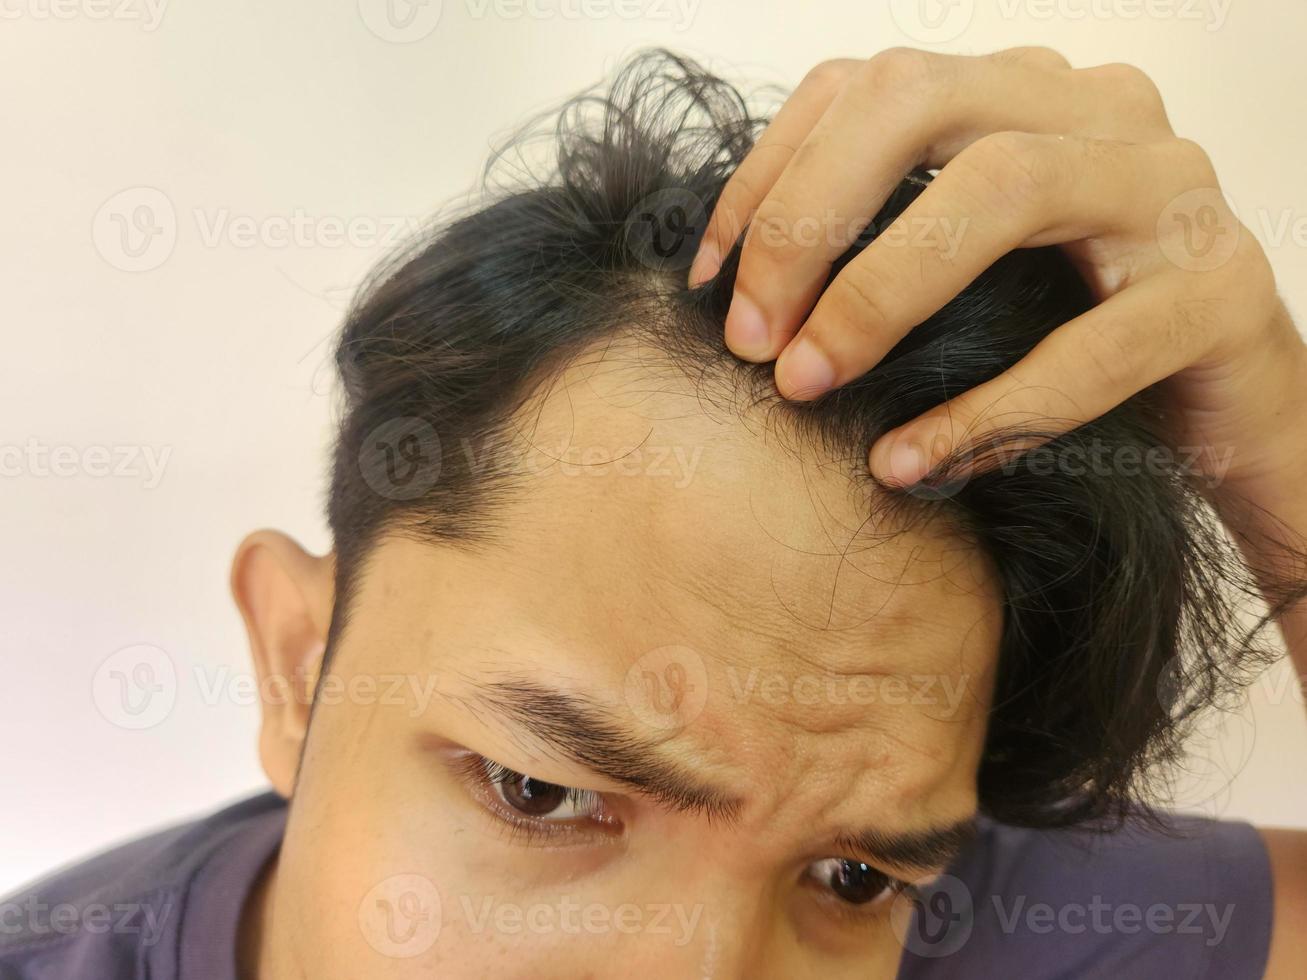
{"x": 853, "y": 882}
{"x": 538, "y": 799}
{"x": 536, "y": 811}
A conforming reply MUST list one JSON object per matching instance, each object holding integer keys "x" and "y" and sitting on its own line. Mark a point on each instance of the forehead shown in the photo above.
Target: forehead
{"x": 660, "y": 551}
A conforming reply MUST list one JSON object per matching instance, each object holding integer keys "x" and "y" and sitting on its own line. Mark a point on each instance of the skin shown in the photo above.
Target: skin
{"x": 840, "y": 678}
{"x": 791, "y": 582}
{"x": 1030, "y": 152}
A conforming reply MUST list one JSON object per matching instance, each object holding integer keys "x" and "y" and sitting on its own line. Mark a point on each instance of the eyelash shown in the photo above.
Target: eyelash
{"x": 873, "y": 911}
{"x": 484, "y": 776}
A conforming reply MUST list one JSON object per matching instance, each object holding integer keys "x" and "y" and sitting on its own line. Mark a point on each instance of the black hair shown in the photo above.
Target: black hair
{"x": 1122, "y": 595}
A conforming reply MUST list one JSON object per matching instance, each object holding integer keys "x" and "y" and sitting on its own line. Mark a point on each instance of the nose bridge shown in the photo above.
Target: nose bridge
{"x": 734, "y": 948}
{"x": 728, "y": 891}
{"x": 720, "y": 930}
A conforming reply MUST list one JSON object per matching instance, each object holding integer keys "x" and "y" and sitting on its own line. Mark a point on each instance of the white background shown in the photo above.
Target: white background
{"x": 243, "y": 115}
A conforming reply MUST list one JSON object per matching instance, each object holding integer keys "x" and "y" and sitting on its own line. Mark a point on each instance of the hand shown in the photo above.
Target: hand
{"x": 1030, "y": 152}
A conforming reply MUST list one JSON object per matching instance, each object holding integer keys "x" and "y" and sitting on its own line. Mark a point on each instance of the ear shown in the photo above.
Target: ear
{"x": 285, "y": 597}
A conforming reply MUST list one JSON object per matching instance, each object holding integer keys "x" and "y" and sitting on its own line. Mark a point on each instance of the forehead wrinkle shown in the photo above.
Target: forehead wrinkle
{"x": 640, "y": 542}
{"x": 588, "y": 732}
{"x": 847, "y": 650}
{"x": 742, "y": 634}
{"x": 737, "y": 599}
{"x": 866, "y": 727}
{"x": 837, "y": 552}
{"x": 877, "y": 557}
{"x": 828, "y": 628}
{"x": 858, "y": 784}
{"x": 880, "y": 773}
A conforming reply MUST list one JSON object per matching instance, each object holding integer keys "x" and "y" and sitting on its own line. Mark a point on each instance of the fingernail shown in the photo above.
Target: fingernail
{"x": 804, "y": 370}
{"x": 705, "y": 265}
{"x": 746, "y": 329}
{"x": 908, "y": 463}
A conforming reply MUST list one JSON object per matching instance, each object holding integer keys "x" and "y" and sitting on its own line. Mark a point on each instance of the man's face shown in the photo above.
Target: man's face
{"x": 686, "y": 718}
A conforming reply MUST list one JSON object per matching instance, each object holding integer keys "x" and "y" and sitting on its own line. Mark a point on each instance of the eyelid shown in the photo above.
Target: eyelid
{"x": 919, "y": 875}
{"x": 915, "y": 877}
{"x": 893, "y": 882}
{"x": 874, "y": 911}
{"x": 497, "y": 774}
{"x": 476, "y": 773}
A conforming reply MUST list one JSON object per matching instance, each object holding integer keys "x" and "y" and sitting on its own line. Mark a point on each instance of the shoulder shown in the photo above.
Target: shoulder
{"x": 1194, "y": 900}
{"x": 1288, "y": 855}
{"x": 100, "y": 916}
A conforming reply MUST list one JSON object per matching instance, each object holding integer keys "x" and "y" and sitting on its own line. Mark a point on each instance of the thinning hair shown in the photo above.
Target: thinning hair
{"x": 1122, "y": 594}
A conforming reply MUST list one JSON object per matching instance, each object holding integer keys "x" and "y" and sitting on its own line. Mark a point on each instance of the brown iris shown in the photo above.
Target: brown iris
{"x": 532, "y": 797}
{"x": 855, "y": 882}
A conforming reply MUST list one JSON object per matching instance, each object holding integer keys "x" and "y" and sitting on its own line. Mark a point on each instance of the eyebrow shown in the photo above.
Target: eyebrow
{"x": 587, "y": 734}
{"x": 933, "y": 849}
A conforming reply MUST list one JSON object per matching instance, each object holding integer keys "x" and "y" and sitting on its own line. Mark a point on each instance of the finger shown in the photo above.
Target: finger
{"x": 764, "y": 162}
{"x": 1006, "y": 191}
{"x": 1031, "y": 54}
{"x": 776, "y": 146}
{"x": 900, "y": 109}
{"x": 1077, "y": 373}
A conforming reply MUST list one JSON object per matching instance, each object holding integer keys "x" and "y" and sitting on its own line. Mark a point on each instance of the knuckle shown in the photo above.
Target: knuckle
{"x": 861, "y": 299}
{"x": 1254, "y": 269}
{"x": 1195, "y": 322}
{"x": 903, "y": 70}
{"x": 1193, "y": 159}
{"x": 732, "y": 208}
{"x": 719, "y": 229}
{"x": 1113, "y": 357}
{"x": 1015, "y": 166}
{"x": 1038, "y": 55}
{"x": 831, "y": 75}
{"x": 775, "y": 236}
{"x": 1131, "y": 84}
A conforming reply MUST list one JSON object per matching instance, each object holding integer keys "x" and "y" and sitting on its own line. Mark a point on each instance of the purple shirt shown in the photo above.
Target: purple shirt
{"x": 1038, "y": 905}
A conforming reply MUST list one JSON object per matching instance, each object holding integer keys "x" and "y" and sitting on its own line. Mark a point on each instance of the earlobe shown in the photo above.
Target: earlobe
{"x": 285, "y": 597}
